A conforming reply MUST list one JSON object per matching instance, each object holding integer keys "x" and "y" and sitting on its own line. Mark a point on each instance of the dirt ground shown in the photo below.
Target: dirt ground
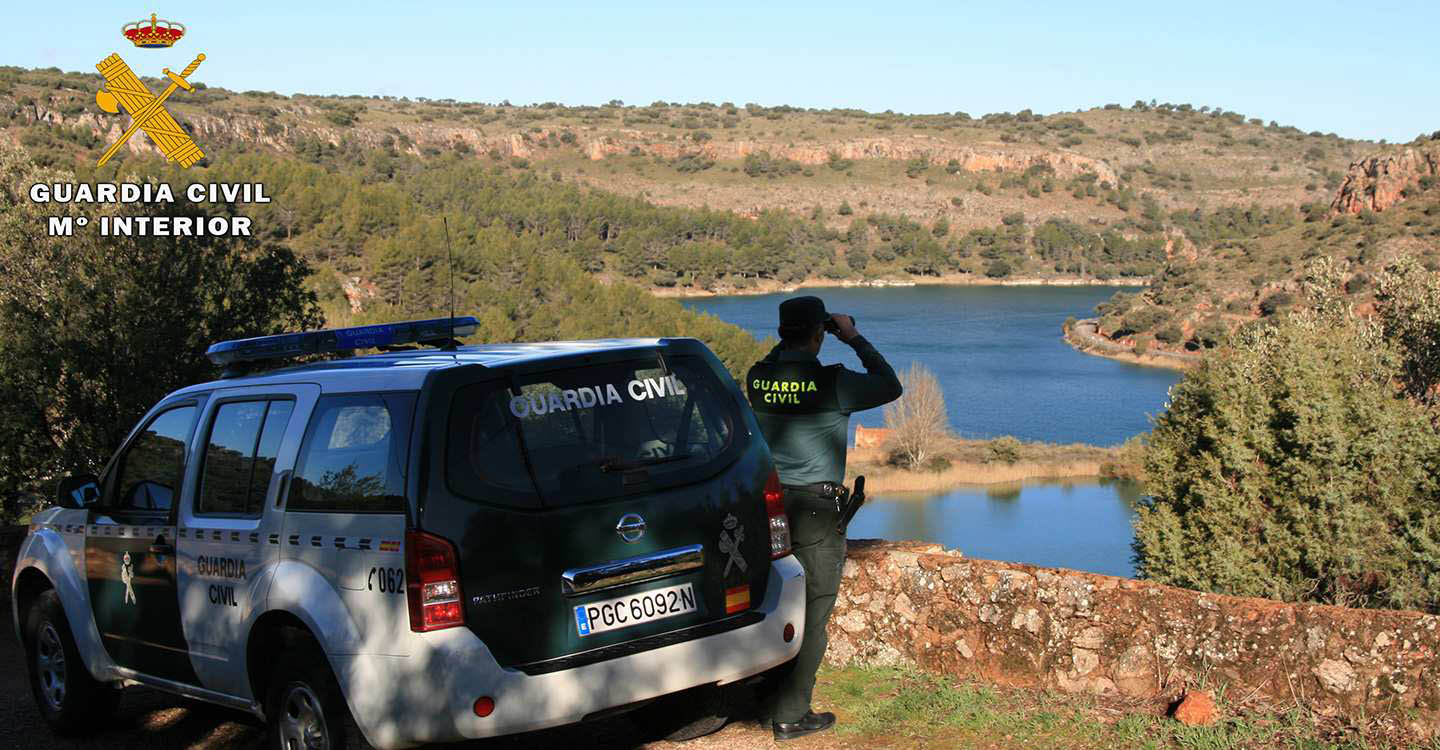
{"x": 150, "y": 720}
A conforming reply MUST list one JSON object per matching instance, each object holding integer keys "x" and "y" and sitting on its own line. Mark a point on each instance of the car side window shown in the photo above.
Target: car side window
{"x": 153, "y": 465}
{"x": 240, "y": 452}
{"x": 353, "y": 456}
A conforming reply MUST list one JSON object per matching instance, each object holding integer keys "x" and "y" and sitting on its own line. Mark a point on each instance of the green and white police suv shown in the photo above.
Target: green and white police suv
{"x": 422, "y": 545}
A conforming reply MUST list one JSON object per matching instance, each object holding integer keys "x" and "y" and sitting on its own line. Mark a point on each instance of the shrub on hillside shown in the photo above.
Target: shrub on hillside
{"x": 1290, "y": 466}
{"x": 1145, "y": 319}
{"x": 1170, "y": 334}
{"x": 762, "y": 164}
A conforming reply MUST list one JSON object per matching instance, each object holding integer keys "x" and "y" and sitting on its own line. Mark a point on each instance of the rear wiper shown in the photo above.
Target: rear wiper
{"x": 615, "y": 465}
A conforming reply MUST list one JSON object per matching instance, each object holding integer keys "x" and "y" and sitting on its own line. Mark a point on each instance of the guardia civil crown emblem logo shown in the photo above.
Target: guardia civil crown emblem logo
{"x": 159, "y": 33}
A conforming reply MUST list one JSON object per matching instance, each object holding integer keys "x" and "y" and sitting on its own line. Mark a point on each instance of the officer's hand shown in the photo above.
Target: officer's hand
{"x": 844, "y": 326}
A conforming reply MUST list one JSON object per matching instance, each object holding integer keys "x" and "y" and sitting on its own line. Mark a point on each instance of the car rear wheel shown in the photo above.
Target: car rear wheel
{"x": 70, "y": 700}
{"x": 687, "y": 715}
{"x": 304, "y": 707}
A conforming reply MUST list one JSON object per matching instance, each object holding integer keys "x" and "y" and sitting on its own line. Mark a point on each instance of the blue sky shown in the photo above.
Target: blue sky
{"x": 1363, "y": 70}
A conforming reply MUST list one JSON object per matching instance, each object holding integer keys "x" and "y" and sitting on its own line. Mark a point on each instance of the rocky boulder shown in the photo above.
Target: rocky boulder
{"x": 1379, "y": 182}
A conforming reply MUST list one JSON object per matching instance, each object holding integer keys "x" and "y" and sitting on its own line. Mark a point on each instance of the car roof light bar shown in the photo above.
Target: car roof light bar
{"x": 433, "y": 331}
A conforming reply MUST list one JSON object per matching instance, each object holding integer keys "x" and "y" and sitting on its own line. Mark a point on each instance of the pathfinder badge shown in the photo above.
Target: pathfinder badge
{"x": 730, "y": 538}
{"x": 127, "y": 574}
{"x": 147, "y": 111}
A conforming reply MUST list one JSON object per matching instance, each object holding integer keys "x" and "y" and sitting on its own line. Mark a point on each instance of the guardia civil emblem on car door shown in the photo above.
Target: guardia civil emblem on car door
{"x": 127, "y": 574}
{"x": 730, "y": 538}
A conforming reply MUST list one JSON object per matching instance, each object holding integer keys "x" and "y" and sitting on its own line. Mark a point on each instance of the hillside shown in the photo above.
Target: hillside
{"x": 750, "y": 158}
{"x": 1214, "y": 209}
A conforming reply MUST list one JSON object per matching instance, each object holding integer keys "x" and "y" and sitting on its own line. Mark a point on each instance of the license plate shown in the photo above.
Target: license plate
{"x": 635, "y": 609}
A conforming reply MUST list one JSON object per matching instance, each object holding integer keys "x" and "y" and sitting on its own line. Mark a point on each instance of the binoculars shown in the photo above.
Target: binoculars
{"x": 832, "y": 326}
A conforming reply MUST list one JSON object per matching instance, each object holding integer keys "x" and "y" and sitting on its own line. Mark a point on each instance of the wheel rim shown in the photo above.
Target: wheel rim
{"x": 50, "y": 666}
{"x": 302, "y": 722}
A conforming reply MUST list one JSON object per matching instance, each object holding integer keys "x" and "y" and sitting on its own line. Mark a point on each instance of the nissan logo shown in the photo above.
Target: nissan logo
{"x": 631, "y": 527}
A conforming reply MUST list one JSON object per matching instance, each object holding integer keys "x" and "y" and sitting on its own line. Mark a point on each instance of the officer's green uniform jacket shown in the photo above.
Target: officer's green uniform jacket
{"x": 804, "y": 410}
{"x": 804, "y": 407}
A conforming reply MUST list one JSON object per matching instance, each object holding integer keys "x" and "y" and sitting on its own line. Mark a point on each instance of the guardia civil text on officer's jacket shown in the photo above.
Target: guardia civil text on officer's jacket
{"x": 804, "y": 407}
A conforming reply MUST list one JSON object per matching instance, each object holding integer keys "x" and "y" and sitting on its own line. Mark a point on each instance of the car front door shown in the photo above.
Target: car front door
{"x": 130, "y": 547}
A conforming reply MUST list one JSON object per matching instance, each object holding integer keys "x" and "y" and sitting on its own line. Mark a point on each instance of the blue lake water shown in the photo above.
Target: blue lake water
{"x": 1082, "y": 525}
{"x": 1005, "y": 370}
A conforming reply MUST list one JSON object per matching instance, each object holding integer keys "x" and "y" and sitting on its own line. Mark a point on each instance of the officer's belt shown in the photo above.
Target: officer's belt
{"x": 816, "y": 496}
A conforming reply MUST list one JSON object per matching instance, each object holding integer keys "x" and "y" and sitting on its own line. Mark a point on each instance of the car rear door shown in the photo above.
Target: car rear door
{"x": 229, "y": 528}
{"x": 600, "y": 505}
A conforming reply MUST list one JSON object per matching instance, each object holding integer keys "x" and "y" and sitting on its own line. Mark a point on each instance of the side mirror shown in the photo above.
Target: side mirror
{"x": 78, "y": 491}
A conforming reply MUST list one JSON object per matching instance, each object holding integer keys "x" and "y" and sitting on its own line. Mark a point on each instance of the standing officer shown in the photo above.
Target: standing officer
{"x": 804, "y": 410}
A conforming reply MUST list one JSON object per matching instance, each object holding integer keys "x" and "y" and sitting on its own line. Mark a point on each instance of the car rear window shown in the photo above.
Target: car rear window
{"x": 587, "y": 432}
{"x": 353, "y": 456}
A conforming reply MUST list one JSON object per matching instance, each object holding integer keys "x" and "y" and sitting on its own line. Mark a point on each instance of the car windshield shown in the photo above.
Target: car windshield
{"x": 591, "y": 431}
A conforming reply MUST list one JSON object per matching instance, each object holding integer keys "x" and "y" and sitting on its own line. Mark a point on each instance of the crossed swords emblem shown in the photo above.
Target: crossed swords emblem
{"x": 730, "y": 538}
{"x": 147, "y": 111}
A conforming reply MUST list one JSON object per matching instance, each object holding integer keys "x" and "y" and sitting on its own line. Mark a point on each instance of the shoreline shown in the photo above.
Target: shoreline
{"x": 954, "y": 279}
{"x": 889, "y": 480}
{"x": 970, "y": 464}
{"x": 1083, "y": 338}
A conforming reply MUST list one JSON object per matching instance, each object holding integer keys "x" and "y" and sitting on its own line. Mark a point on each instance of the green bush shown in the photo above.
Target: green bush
{"x": 1003, "y": 450}
{"x": 1212, "y": 333}
{"x": 1289, "y": 466}
{"x": 1145, "y": 319}
{"x": 762, "y": 164}
{"x": 1170, "y": 334}
{"x": 1276, "y": 302}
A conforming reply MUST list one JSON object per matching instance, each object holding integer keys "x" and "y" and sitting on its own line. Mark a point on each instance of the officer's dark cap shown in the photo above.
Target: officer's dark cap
{"x": 802, "y": 313}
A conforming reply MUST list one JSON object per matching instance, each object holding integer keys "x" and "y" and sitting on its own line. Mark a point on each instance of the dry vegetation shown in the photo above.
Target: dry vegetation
{"x": 957, "y": 462}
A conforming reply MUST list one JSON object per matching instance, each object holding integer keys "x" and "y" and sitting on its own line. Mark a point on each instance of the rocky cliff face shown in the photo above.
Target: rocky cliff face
{"x": 1022, "y": 626}
{"x": 596, "y": 145}
{"x": 1378, "y": 182}
{"x": 969, "y": 158}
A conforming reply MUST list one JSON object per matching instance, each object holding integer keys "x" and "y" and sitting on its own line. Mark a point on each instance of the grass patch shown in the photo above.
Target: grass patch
{"x": 878, "y": 706}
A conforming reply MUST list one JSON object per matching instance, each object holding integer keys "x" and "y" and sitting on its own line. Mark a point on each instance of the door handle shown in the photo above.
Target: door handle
{"x": 162, "y": 549}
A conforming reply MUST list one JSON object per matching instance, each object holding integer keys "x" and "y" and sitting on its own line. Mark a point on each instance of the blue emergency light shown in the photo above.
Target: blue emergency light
{"x": 434, "y": 331}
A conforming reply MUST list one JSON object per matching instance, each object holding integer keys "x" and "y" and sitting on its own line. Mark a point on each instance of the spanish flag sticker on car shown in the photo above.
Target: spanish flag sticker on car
{"x": 737, "y": 599}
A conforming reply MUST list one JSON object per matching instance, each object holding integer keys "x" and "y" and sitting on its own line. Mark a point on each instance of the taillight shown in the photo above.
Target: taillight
{"x": 432, "y": 582}
{"x": 779, "y": 523}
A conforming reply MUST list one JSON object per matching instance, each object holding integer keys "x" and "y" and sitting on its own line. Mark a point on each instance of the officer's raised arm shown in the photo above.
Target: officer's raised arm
{"x": 877, "y": 386}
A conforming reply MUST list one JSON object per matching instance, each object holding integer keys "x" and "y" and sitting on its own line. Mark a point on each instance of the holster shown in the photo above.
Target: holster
{"x": 827, "y": 497}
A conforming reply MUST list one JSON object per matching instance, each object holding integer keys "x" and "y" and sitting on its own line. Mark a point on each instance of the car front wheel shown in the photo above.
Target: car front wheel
{"x": 70, "y": 700}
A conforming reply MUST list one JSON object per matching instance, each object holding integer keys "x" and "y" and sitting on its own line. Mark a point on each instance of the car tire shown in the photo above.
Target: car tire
{"x": 304, "y": 708}
{"x": 687, "y": 715}
{"x": 69, "y": 699}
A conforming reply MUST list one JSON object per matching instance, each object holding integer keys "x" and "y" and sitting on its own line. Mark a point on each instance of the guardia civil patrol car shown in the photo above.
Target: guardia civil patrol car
{"x": 422, "y": 545}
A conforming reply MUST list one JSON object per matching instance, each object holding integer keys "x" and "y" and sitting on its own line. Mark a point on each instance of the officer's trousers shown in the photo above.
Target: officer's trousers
{"x": 821, "y": 552}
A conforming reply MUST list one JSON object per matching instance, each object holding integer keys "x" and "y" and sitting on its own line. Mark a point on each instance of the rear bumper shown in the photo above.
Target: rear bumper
{"x": 428, "y": 696}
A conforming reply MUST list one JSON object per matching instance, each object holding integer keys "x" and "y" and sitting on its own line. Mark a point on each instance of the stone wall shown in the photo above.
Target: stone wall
{"x": 1023, "y": 626}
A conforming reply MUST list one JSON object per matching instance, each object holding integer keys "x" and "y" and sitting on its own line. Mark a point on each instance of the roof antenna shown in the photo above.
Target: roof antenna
{"x": 451, "y": 345}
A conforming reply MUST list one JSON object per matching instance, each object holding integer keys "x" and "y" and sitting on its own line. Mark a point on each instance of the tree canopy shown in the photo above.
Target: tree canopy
{"x": 93, "y": 331}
